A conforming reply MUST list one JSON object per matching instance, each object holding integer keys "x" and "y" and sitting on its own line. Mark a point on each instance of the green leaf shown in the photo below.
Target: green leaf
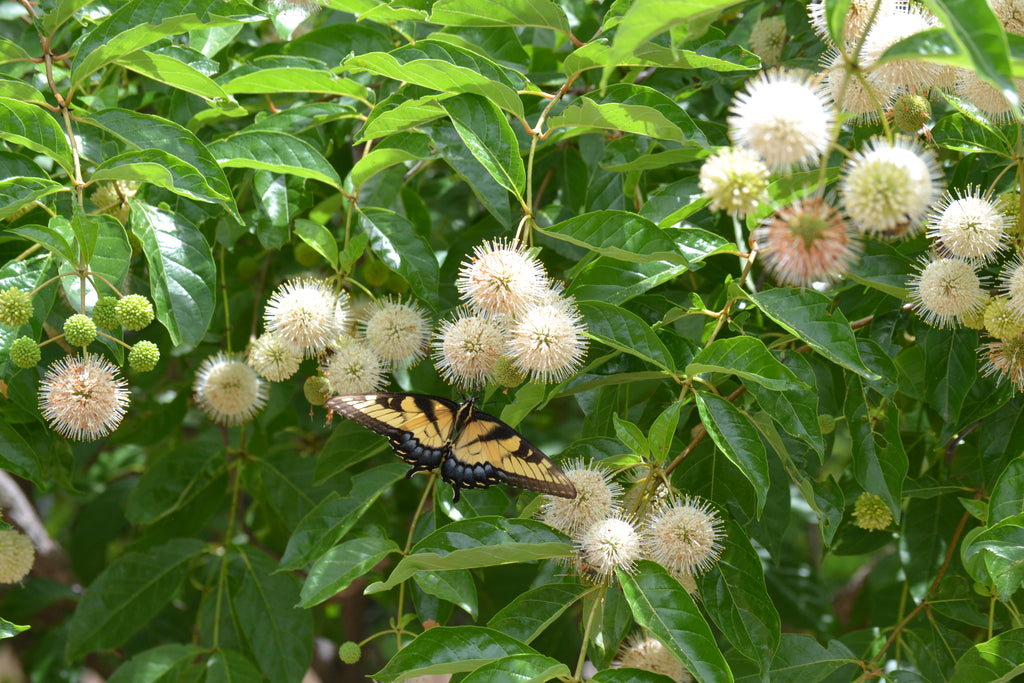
{"x": 663, "y": 429}
{"x": 735, "y": 436}
{"x": 9, "y": 630}
{"x": 629, "y": 237}
{"x": 526, "y": 667}
{"x": 478, "y": 542}
{"x": 810, "y": 316}
{"x": 173, "y": 72}
{"x": 174, "y": 480}
{"x": 529, "y": 613}
{"x": 631, "y": 436}
{"x": 286, "y": 78}
{"x": 628, "y": 674}
{"x": 1008, "y": 494}
{"x": 31, "y": 126}
{"x": 335, "y": 570}
{"x": 56, "y": 237}
{"x": 747, "y": 358}
{"x": 394, "y": 240}
{"x": 996, "y": 660}
{"x": 881, "y": 467}
{"x": 160, "y": 168}
{"x": 106, "y": 240}
{"x": 397, "y": 114}
{"x": 17, "y": 193}
{"x": 229, "y": 666}
{"x": 995, "y": 555}
{"x": 736, "y": 599}
{"x": 489, "y": 137}
{"x": 720, "y": 56}
{"x": 396, "y": 149}
{"x": 951, "y": 359}
{"x": 157, "y": 664}
{"x": 128, "y": 594}
{"x": 277, "y": 153}
{"x": 142, "y": 131}
{"x": 515, "y": 13}
{"x": 444, "y": 68}
{"x": 616, "y": 283}
{"x": 328, "y": 523}
{"x": 796, "y": 410}
{"x": 454, "y": 585}
{"x": 663, "y": 607}
{"x": 882, "y": 267}
{"x": 320, "y": 238}
{"x": 976, "y": 29}
{"x": 450, "y": 649}
{"x": 800, "y": 659}
{"x": 626, "y": 332}
{"x": 454, "y": 151}
{"x": 182, "y": 274}
{"x": 280, "y": 635}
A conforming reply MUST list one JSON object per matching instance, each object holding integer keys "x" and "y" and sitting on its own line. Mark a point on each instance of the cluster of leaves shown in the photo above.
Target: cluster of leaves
{"x": 404, "y": 139}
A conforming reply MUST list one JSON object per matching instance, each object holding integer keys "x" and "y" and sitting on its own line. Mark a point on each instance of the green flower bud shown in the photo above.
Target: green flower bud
{"x": 134, "y": 312}
{"x": 871, "y": 512}
{"x": 350, "y": 652}
{"x": 15, "y": 307}
{"x": 104, "y": 313}
{"x": 315, "y": 390}
{"x": 144, "y": 356}
{"x": 25, "y": 352}
{"x": 79, "y": 330}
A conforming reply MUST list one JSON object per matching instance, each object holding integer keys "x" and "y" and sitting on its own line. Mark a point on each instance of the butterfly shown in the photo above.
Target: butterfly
{"x": 473, "y": 449}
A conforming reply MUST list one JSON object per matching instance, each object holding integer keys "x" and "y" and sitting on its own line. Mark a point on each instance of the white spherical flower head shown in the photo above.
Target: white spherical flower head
{"x": 274, "y": 358}
{"x": 228, "y": 390}
{"x": 768, "y": 39}
{"x": 397, "y": 332}
{"x": 1011, "y": 284}
{"x": 83, "y": 397}
{"x": 609, "y": 544}
{"x": 735, "y": 180}
{"x": 806, "y": 242}
{"x": 989, "y": 100}
{"x": 307, "y": 314}
{"x": 1010, "y": 14}
{"x": 467, "y": 349}
{"x": 851, "y": 95}
{"x": 597, "y": 498}
{"x": 685, "y": 536}
{"x": 856, "y": 16}
{"x": 547, "y": 342}
{"x": 970, "y": 227}
{"x": 642, "y": 652}
{"x": 781, "y": 117}
{"x": 947, "y": 291}
{"x": 887, "y": 190}
{"x": 1005, "y": 359}
{"x": 898, "y": 75}
{"x": 501, "y": 278}
{"x": 17, "y": 555}
{"x": 352, "y": 367}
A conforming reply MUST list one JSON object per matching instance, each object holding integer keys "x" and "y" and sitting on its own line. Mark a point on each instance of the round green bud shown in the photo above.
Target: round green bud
{"x": 306, "y": 255}
{"x": 144, "y": 356}
{"x": 25, "y": 352}
{"x": 350, "y": 652}
{"x": 911, "y": 112}
{"x": 374, "y": 272}
{"x": 1009, "y": 204}
{"x": 134, "y": 312}
{"x": 1001, "y": 320}
{"x": 79, "y": 330}
{"x": 315, "y": 390}
{"x": 15, "y": 307}
{"x": 507, "y": 374}
{"x": 871, "y": 512}
{"x": 827, "y": 423}
{"x": 104, "y": 313}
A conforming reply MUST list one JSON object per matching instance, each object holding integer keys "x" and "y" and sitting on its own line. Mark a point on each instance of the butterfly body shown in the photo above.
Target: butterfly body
{"x": 473, "y": 449}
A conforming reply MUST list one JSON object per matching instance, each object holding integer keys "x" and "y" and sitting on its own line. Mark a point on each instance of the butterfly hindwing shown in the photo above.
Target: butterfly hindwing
{"x": 418, "y": 426}
{"x": 487, "y": 451}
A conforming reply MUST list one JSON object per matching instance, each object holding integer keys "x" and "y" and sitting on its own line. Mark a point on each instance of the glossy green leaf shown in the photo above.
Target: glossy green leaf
{"x": 327, "y": 524}
{"x": 996, "y": 660}
{"x": 173, "y": 72}
{"x": 454, "y": 151}
{"x": 445, "y": 68}
{"x": 747, "y": 358}
{"x": 736, "y": 599}
{"x": 800, "y": 659}
{"x": 952, "y": 364}
{"x": 294, "y": 78}
{"x": 182, "y": 274}
{"x": 528, "y": 614}
{"x": 977, "y": 30}
{"x": 17, "y": 193}
{"x": 173, "y": 481}
{"x": 279, "y": 634}
{"x": 735, "y": 436}
{"x": 616, "y": 283}
{"x": 663, "y": 607}
{"x": 335, "y": 570}
{"x": 626, "y": 332}
{"x": 318, "y": 237}
{"x": 156, "y": 664}
{"x": 879, "y": 466}
{"x": 156, "y": 167}
{"x": 663, "y": 429}
{"x": 882, "y": 267}
{"x": 795, "y": 410}
{"x": 9, "y": 630}
{"x": 106, "y": 239}
{"x": 526, "y": 667}
{"x": 598, "y": 55}
{"x": 478, "y": 542}
{"x": 128, "y": 594}
{"x": 810, "y": 317}
{"x": 32, "y": 127}
{"x": 55, "y": 237}
{"x": 1007, "y": 497}
{"x": 489, "y": 137}
{"x": 995, "y": 555}
{"x": 143, "y": 131}
{"x": 277, "y": 153}
{"x": 396, "y": 149}
{"x": 631, "y": 436}
{"x": 229, "y": 666}
{"x": 629, "y": 675}
{"x": 454, "y": 585}
{"x": 540, "y": 13}
{"x": 394, "y": 240}
{"x": 398, "y": 114}
{"x": 450, "y": 649}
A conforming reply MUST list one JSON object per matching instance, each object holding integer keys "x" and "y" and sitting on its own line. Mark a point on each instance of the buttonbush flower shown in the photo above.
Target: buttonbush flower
{"x": 806, "y": 242}
{"x": 547, "y": 342}
{"x": 352, "y": 367}
{"x": 274, "y": 357}
{"x": 735, "y": 180}
{"x": 501, "y": 278}
{"x": 83, "y": 397}
{"x": 597, "y": 498}
{"x": 467, "y": 348}
{"x": 307, "y": 314}
{"x": 871, "y": 512}
{"x": 17, "y": 555}
{"x": 643, "y": 652}
{"x": 684, "y": 536}
{"x": 946, "y": 291}
{"x": 609, "y": 544}
{"x": 397, "y": 332}
{"x": 969, "y": 226}
{"x": 1005, "y": 359}
{"x": 228, "y": 390}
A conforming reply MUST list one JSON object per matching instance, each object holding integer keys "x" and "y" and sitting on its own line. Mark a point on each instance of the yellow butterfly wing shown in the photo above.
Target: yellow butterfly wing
{"x": 487, "y": 451}
{"x": 419, "y": 427}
